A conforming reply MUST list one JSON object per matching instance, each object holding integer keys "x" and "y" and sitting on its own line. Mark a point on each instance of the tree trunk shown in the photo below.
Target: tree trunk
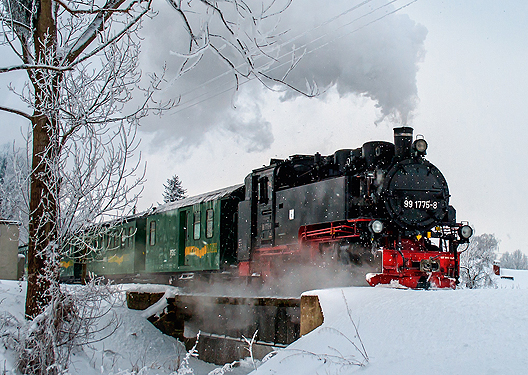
{"x": 42, "y": 224}
{"x": 42, "y": 267}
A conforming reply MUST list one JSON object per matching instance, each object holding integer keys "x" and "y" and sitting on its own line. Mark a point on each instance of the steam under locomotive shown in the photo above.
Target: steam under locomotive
{"x": 349, "y": 207}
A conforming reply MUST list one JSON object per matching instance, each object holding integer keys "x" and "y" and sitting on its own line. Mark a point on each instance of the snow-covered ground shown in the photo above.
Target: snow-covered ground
{"x": 399, "y": 331}
{"x": 136, "y": 347}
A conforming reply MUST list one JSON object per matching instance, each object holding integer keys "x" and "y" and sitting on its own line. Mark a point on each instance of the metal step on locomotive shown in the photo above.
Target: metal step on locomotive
{"x": 382, "y": 200}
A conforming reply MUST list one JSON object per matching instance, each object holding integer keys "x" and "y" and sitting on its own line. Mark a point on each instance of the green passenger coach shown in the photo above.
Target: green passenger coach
{"x": 114, "y": 249}
{"x": 164, "y": 244}
{"x": 193, "y": 234}
{"x": 121, "y": 250}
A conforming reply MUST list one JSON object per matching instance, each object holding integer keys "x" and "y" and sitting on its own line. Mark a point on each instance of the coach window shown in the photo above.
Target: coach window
{"x": 152, "y": 233}
{"x": 122, "y": 238}
{"x": 209, "y": 218}
{"x": 110, "y": 243}
{"x": 197, "y": 225}
{"x": 130, "y": 237}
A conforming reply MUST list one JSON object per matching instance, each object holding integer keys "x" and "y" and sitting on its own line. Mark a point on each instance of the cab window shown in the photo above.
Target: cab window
{"x": 263, "y": 190}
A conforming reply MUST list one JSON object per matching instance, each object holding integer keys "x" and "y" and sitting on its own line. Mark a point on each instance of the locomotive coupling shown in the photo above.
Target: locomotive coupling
{"x": 429, "y": 265}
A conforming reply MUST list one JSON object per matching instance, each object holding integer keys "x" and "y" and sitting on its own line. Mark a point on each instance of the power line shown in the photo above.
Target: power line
{"x": 282, "y": 45}
{"x": 192, "y": 102}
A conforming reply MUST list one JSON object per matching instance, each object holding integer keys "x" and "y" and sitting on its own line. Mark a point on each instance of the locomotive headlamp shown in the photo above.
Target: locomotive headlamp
{"x": 420, "y": 146}
{"x": 465, "y": 231}
{"x": 376, "y": 226}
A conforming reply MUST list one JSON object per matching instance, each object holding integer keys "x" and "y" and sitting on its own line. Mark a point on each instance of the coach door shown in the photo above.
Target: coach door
{"x": 183, "y": 236}
{"x": 136, "y": 240}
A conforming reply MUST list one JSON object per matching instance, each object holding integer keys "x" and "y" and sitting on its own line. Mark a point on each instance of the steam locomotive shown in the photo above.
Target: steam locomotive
{"x": 382, "y": 198}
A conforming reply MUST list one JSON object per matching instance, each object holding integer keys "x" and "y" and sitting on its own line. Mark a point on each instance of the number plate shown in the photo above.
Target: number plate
{"x": 428, "y": 204}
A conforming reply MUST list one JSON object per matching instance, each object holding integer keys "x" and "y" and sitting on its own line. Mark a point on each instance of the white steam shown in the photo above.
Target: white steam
{"x": 361, "y": 48}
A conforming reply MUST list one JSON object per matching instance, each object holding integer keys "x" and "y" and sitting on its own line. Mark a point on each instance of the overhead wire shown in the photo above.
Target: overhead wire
{"x": 229, "y": 72}
{"x": 208, "y": 95}
{"x": 231, "y": 87}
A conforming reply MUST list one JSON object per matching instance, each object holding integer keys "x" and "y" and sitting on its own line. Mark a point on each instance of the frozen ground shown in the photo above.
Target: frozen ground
{"x": 136, "y": 347}
{"x": 400, "y": 332}
{"x": 413, "y": 332}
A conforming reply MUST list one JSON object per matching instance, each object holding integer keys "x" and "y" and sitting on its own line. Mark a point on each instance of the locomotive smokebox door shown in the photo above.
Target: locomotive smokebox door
{"x": 416, "y": 194}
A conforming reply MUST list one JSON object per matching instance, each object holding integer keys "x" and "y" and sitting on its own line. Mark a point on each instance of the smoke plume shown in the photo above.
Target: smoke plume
{"x": 365, "y": 49}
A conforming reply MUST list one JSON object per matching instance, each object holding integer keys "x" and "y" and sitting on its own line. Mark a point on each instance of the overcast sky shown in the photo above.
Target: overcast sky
{"x": 456, "y": 71}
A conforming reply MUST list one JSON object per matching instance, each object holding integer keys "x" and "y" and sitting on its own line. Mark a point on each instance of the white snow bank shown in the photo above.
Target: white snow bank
{"x": 519, "y": 281}
{"x": 158, "y": 307}
{"x": 413, "y": 332}
{"x": 136, "y": 346}
{"x": 149, "y": 288}
{"x": 12, "y": 302}
{"x": 403, "y": 331}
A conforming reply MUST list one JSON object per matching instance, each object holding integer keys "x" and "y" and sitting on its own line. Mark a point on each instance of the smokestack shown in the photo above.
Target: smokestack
{"x": 403, "y": 138}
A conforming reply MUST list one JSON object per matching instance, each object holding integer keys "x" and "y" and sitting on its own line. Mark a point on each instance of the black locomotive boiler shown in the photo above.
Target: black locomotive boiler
{"x": 383, "y": 197}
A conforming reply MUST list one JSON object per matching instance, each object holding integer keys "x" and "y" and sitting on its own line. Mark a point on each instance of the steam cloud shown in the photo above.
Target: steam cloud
{"x": 366, "y": 51}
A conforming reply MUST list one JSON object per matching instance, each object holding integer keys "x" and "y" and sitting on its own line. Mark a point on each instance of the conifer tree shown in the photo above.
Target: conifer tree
{"x": 174, "y": 190}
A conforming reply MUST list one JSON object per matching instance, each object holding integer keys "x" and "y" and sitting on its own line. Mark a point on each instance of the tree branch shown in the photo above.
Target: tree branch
{"x": 16, "y": 112}
{"x": 71, "y": 57}
{"x": 34, "y": 67}
{"x": 220, "y": 14}
{"x": 97, "y": 25}
{"x": 10, "y": 20}
{"x": 185, "y": 21}
{"x": 97, "y": 10}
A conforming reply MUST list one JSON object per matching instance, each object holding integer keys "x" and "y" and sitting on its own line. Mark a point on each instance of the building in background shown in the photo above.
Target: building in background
{"x": 9, "y": 233}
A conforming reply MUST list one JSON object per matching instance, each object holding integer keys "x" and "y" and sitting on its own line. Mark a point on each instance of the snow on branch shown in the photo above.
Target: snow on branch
{"x": 34, "y": 67}
{"x": 238, "y": 36}
{"x": 104, "y": 16}
{"x": 94, "y": 9}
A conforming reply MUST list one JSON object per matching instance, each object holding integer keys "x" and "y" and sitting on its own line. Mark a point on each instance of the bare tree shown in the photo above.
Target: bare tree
{"x": 174, "y": 190}
{"x": 14, "y": 187}
{"x": 81, "y": 61}
{"x": 476, "y": 262}
{"x": 516, "y": 260}
{"x": 87, "y": 316}
{"x": 81, "y": 64}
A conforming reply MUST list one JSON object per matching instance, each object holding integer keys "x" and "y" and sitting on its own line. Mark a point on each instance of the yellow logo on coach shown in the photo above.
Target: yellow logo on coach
{"x": 116, "y": 259}
{"x": 67, "y": 264}
{"x": 207, "y": 249}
